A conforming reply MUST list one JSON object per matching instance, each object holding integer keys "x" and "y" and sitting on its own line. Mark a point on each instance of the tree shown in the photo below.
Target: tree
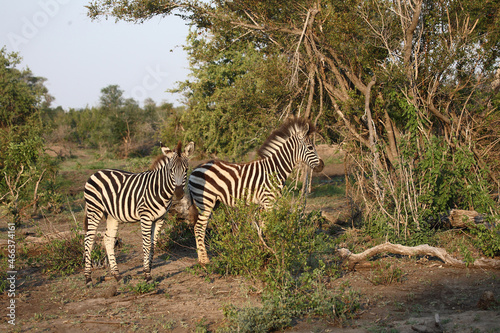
{"x": 23, "y": 163}
{"x": 235, "y": 98}
{"x": 409, "y": 84}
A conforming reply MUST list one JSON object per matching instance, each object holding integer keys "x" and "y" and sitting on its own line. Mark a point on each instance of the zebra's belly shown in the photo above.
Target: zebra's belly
{"x": 140, "y": 213}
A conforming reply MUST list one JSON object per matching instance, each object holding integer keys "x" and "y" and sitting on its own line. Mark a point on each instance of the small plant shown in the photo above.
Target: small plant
{"x": 143, "y": 287}
{"x": 280, "y": 307}
{"x": 201, "y": 326}
{"x": 386, "y": 274}
{"x": 466, "y": 253}
{"x": 64, "y": 256}
{"x": 98, "y": 255}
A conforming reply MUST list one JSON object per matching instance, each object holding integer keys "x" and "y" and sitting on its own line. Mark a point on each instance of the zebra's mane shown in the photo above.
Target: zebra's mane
{"x": 159, "y": 162}
{"x": 161, "y": 159}
{"x": 292, "y": 126}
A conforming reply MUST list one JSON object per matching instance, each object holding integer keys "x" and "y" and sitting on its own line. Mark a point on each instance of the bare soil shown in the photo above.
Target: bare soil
{"x": 188, "y": 300}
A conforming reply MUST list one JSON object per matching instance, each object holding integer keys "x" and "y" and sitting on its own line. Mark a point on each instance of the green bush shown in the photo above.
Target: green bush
{"x": 280, "y": 307}
{"x": 428, "y": 181}
{"x": 282, "y": 248}
{"x": 175, "y": 233}
{"x": 486, "y": 240}
{"x": 272, "y": 246}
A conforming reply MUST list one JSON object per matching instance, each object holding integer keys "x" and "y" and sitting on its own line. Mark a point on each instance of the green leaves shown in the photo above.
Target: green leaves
{"x": 235, "y": 96}
{"x": 23, "y": 162}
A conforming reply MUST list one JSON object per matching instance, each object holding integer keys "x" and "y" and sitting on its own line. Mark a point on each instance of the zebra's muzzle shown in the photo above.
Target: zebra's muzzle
{"x": 319, "y": 167}
{"x": 179, "y": 192}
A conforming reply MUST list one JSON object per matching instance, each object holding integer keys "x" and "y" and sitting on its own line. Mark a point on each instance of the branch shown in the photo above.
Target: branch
{"x": 409, "y": 33}
{"x": 423, "y": 250}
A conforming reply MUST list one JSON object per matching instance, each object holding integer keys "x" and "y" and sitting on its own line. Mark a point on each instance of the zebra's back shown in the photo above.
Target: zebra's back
{"x": 226, "y": 182}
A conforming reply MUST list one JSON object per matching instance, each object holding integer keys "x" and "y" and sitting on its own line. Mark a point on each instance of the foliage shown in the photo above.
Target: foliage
{"x": 63, "y": 256}
{"x": 280, "y": 307}
{"x": 282, "y": 248}
{"x": 431, "y": 178}
{"x": 486, "y": 239}
{"x": 270, "y": 246}
{"x": 119, "y": 125}
{"x": 175, "y": 233}
{"x": 235, "y": 98}
{"x": 23, "y": 163}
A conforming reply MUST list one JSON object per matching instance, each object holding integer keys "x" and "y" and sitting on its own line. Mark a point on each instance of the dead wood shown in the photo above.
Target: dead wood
{"x": 461, "y": 218}
{"x": 30, "y": 240}
{"x": 422, "y": 250}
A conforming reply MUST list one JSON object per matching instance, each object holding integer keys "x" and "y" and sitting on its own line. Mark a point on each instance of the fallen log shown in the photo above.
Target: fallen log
{"x": 460, "y": 218}
{"x": 422, "y": 250}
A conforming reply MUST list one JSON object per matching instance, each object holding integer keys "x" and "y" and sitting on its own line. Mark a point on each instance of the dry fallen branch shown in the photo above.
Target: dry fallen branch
{"x": 423, "y": 250}
{"x": 50, "y": 237}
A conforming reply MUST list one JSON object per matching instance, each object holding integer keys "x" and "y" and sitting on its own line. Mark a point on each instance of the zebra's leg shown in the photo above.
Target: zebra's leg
{"x": 155, "y": 232}
{"x": 109, "y": 244}
{"x": 199, "y": 233}
{"x": 147, "y": 232}
{"x": 92, "y": 220}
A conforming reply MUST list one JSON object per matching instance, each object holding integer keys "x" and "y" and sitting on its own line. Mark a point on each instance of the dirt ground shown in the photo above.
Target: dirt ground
{"x": 186, "y": 299}
{"x": 189, "y": 300}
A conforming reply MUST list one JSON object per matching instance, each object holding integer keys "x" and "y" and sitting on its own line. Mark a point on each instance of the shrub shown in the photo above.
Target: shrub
{"x": 175, "y": 233}
{"x": 486, "y": 240}
{"x": 283, "y": 249}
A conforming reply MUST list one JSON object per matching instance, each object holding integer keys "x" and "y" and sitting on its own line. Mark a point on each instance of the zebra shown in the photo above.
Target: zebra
{"x": 218, "y": 181}
{"x": 122, "y": 196}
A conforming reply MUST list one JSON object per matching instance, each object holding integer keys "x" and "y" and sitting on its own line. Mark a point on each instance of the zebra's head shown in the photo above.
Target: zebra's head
{"x": 306, "y": 151}
{"x": 178, "y": 166}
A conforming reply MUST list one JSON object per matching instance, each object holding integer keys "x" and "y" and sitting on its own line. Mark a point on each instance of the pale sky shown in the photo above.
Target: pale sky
{"x": 79, "y": 57}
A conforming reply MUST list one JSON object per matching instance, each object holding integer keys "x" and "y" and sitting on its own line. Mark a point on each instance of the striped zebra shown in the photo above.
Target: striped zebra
{"x": 218, "y": 181}
{"x": 122, "y": 196}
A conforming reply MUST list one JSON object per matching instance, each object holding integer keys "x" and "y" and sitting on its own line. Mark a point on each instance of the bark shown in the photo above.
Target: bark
{"x": 409, "y": 35}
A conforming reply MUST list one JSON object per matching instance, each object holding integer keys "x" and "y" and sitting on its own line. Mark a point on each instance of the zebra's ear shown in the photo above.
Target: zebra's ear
{"x": 189, "y": 149}
{"x": 167, "y": 152}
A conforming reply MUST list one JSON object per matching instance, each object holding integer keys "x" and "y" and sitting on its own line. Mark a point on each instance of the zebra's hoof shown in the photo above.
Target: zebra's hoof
{"x": 148, "y": 278}
{"x": 88, "y": 281}
{"x": 117, "y": 277}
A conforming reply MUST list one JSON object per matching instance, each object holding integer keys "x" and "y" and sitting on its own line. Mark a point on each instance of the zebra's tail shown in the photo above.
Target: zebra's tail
{"x": 193, "y": 211}
{"x": 85, "y": 222}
